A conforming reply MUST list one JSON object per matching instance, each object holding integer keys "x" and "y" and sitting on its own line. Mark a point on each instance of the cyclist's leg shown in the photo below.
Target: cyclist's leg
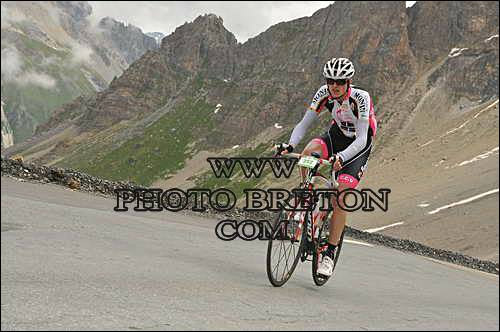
{"x": 339, "y": 217}
{"x": 349, "y": 177}
{"x": 318, "y": 145}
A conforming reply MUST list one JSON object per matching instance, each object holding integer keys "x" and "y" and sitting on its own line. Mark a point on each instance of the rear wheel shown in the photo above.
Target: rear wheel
{"x": 320, "y": 245}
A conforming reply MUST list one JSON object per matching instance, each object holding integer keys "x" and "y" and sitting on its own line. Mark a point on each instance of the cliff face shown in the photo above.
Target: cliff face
{"x": 282, "y": 67}
{"x": 129, "y": 41}
{"x": 436, "y": 27}
{"x": 202, "y": 47}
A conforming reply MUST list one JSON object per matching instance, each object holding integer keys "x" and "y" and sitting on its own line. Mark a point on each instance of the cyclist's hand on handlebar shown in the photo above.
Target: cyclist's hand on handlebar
{"x": 283, "y": 148}
{"x": 337, "y": 162}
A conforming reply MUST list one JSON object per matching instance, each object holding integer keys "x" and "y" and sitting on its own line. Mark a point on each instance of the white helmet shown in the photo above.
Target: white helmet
{"x": 338, "y": 68}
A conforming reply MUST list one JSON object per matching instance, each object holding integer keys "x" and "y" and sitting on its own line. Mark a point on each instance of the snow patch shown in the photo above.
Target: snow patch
{"x": 7, "y": 136}
{"x": 456, "y": 52}
{"x": 479, "y": 157}
{"x": 439, "y": 163}
{"x": 463, "y": 124}
{"x": 487, "y": 40}
{"x": 93, "y": 81}
{"x": 429, "y": 142}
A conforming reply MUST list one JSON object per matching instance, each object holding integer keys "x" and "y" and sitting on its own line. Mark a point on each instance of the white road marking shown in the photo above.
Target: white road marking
{"x": 361, "y": 243}
{"x": 373, "y": 230}
{"x": 423, "y": 205}
{"x": 470, "y": 199}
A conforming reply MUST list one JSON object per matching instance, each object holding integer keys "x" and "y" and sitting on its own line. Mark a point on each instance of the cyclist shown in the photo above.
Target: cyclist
{"x": 347, "y": 143}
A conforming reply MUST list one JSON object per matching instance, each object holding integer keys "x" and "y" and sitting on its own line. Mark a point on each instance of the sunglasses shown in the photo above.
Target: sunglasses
{"x": 331, "y": 81}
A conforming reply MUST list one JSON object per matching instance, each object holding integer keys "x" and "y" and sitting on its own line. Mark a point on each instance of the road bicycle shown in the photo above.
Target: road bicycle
{"x": 302, "y": 232}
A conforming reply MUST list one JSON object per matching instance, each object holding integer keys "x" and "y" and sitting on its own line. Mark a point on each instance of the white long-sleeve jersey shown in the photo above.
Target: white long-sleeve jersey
{"x": 354, "y": 115}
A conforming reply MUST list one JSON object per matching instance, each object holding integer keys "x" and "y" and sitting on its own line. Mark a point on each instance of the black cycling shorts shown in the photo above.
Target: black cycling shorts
{"x": 334, "y": 141}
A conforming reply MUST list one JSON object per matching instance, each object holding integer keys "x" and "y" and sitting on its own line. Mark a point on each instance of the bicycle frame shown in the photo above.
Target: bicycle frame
{"x": 314, "y": 239}
{"x": 311, "y": 176}
{"x": 313, "y": 220}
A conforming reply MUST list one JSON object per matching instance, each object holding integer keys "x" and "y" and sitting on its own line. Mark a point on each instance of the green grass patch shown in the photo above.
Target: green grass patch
{"x": 237, "y": 183}
{"x": 161, "y": 150}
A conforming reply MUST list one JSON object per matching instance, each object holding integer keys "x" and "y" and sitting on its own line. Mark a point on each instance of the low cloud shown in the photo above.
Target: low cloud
{"x": 10, "y": 15}
{"x": 50, "y": 61}
{"x": 11, "y": 63}
{"x": 12, "y": 71}
{"x": 52, "y": 11}
{"x": 39, "y": 79}
{"x": 80, "y": 53}
{"x": 94, "y": 23}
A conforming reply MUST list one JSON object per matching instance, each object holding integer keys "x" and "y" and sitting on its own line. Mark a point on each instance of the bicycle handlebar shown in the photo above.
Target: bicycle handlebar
{"x": 298, "y": 155}
{"x": 322, "y": 162}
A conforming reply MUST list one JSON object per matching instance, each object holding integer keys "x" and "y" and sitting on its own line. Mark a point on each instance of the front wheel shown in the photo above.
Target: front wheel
{"x": 283, "y": 252}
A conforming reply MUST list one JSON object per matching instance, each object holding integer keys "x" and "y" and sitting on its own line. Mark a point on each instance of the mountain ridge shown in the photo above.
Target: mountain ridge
{"x": 184, "y": 60}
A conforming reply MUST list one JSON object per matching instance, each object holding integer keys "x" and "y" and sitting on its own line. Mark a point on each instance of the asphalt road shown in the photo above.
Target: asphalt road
{"x": 69, "y": 262}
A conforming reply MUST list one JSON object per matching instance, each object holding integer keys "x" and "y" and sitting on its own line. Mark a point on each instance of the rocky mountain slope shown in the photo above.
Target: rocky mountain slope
{"x": 53, "y": 52}
{"x": 432, "y": 70}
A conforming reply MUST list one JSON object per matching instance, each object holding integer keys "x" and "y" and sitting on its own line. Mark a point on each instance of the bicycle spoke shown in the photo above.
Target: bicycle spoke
{"x": 279, "y": 260}
{"x": 286, "y": 264}
{"x": 283, "y": 254}
{"x": 284, "y": 248}
{"x": 280, "y": 256}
